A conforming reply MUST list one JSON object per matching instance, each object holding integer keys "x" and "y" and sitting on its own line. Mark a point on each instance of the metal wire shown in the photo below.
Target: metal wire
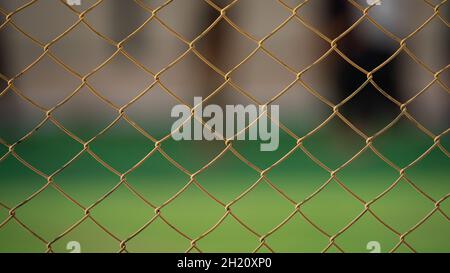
{"x": 14, "y": 213}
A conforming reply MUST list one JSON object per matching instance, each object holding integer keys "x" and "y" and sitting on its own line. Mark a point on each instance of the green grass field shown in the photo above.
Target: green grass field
{"x": 193, "y": 212}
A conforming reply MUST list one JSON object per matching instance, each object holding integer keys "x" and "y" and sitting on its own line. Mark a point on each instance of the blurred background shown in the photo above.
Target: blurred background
{"x": 155, "y": 49}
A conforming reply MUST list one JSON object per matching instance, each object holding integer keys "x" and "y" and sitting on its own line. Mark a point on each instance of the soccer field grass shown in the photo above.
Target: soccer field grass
{"x": 193, "y": 212}
{"x": 49, "y": 215}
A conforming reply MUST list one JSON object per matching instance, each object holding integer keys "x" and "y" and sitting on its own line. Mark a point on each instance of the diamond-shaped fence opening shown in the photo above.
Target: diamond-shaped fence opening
{"x": 87, "y": 69}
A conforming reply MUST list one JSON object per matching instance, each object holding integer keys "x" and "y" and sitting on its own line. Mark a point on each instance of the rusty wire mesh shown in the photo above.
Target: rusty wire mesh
{"x": 190, "y": 47}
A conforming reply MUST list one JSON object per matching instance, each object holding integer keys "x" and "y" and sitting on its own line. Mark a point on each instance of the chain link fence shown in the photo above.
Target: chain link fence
{"x": 221, "y": 11}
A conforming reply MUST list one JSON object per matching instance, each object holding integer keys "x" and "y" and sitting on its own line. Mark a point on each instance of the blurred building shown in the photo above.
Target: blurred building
{"x": 156, "y": 47}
